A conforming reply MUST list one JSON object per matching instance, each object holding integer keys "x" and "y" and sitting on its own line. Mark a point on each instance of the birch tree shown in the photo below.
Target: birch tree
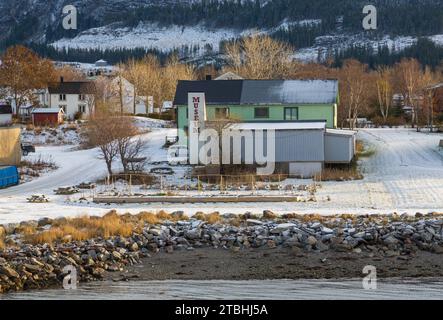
{"x": 260, "y": 57}
{"x": 353, "y": 90}
{"x": 384, "y": 79}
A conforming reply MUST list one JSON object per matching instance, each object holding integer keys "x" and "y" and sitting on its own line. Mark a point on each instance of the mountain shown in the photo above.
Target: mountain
{"x": 198, "y": 27}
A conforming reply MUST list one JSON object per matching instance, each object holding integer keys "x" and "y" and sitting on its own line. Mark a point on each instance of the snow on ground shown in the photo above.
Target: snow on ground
{"x": 149, "y": 123}
{"x": 404, "y": 175}
{"x": 148, "y": 36}
{"x": 64, "y": 134}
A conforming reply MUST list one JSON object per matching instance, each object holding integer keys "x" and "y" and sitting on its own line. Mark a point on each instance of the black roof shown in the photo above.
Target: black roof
{"x": 5, "y": 109}
{"x": 223, "y": 91}
{"x": 256, "y": 92}
{"x": 72, "y": 87}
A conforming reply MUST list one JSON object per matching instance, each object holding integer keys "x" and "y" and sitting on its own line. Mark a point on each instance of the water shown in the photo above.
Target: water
{"x": 237, "y": 290}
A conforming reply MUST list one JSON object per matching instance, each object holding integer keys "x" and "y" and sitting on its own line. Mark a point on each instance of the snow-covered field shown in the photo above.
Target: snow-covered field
{"x": 404, "y": 175}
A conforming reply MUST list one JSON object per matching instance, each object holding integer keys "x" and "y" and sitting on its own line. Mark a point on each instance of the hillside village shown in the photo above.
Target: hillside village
{"x": 142, "y": 143}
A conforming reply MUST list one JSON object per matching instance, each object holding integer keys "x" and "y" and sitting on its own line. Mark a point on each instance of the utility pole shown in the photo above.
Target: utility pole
{"x": 431, "y": 111}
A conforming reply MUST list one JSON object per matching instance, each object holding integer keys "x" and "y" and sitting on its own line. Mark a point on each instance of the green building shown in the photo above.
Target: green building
{"x": 260, "y": 101}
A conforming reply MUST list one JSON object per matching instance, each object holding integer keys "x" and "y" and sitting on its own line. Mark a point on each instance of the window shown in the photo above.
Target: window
{"x": 221, "y": 113}
{"x": 261, "y": 113}
{"x": 63, "y": 108}
{"x": 82, "y": 108}
{"x": 81, "y": 97}
{"x": 62, "y": 97}
{"x": 291, "y": 114}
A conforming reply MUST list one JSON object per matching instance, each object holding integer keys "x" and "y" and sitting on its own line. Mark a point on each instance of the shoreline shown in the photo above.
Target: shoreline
{"x": 172, "y": 246}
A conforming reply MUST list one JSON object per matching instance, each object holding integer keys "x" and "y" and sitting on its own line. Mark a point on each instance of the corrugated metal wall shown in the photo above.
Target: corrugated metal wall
{"x": 339, "y": 148}
{"x": 290, "y": 146}
{"x": 299, "y": 145}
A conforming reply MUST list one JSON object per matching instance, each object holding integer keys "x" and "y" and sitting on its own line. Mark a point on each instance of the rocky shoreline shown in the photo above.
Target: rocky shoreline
{"x": 26, "y": 266}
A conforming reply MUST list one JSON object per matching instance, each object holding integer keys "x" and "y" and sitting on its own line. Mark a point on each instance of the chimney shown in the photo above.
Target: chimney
{"x": 62, "y": 79}
{"x": 208, "y": 77}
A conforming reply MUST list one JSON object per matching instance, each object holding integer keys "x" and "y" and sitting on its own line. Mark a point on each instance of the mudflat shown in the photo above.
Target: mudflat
{"x": 279, "y": 263}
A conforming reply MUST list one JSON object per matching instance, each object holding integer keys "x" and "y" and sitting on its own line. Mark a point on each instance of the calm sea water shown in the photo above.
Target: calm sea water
{"x": 256, "y": 289}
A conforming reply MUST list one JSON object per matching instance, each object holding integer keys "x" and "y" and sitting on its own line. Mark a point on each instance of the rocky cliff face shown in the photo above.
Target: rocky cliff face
{"x": 34, "y": 20}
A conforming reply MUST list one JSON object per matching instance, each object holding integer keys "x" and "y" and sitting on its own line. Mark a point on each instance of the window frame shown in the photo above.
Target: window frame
{"x": 62, "y": 97}
{"x": 223, "y": 117}
{"x": 261, "y": 117}
{"x": 292, "y": 115}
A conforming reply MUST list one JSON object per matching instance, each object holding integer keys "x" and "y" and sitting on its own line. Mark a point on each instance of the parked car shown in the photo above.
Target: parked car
{"x": 27, "y": 149}
{"x": 177, "y": 155}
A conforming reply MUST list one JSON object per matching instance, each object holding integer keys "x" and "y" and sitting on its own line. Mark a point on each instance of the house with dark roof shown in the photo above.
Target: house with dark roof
{"x": 75, "y": 98}
{"x": 298, "y": 116}
{"x": 262, "y": 100}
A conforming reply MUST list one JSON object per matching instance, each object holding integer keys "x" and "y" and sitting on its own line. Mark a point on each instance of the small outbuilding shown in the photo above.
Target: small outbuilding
{"x": 101, "y": 63}
{"x": 301, "y": 148}
{"x": 5, "y": 115}
{"x": 47, "y": 116}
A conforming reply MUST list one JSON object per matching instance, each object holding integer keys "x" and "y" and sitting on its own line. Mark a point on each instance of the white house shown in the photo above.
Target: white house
{"x": 121, "y": 94}
{"x": 75, "y": 98}
{"x": 5, "y": 115}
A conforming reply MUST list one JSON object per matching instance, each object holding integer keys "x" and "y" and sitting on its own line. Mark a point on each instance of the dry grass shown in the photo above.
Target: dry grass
{"x": 26, "y": 230}
{"x": 148, "y": 217}
{"x": 211, "y": 218}
{"x": 339, "y": 174}
{"x": 312, "y": 217}
{"x": 83, "y": 228}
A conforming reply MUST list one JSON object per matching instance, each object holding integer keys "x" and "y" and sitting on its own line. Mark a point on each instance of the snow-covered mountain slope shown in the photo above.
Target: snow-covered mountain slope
{"x": 150, "y": 36}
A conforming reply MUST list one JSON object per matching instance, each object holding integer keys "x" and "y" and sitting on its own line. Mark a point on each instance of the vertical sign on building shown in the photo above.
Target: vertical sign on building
{"x": 196, "y": 118}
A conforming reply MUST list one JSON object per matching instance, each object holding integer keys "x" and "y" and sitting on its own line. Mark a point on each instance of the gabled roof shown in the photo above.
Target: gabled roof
{"x": 216, "y": 92}
{"x": 47, "y": 110}
{"x": 5, "y": 109}
{"x": 229, "y": 76}
{"x": 72, "y": 87}
{"x": 256, "y": 92}
{"x": 287, "y": 125}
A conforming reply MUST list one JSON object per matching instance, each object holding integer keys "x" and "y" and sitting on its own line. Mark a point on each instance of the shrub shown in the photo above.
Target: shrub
{"x": 339, "y": 174}
{"x": 148, "y": 217}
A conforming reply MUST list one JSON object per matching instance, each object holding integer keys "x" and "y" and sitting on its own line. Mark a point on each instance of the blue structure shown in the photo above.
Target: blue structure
{"x": 9, "y": 176}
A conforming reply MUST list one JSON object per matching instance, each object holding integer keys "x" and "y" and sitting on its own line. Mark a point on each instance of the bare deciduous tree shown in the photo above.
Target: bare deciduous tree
{"x": 353, "y": 91}
{"x": 22, "y": 72}
{"x": 260, "y": 57}
{"x": 101, "y": 132}
{"x": 384, "y": 80}
{"x": 116, "y": 137}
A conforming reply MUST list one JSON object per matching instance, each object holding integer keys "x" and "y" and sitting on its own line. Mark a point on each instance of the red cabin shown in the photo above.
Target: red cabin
{"x": 47, "y": 116}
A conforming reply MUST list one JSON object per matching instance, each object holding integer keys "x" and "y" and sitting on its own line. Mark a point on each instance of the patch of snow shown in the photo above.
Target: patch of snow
{"x": 65, "y": 134}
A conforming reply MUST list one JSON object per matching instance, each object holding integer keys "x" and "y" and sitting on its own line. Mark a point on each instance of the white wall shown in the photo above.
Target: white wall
{"x": 72, "y": 104}
{"x": 5, "y": 119}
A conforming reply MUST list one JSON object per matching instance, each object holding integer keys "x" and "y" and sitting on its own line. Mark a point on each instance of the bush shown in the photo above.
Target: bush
{"x": 161, "y": 116}
{"x": 339, "y": 174}
{"x": 390, "y": 121}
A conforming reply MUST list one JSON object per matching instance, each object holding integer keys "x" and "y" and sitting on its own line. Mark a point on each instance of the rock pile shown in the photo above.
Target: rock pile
{"x": 26, "y": 266}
